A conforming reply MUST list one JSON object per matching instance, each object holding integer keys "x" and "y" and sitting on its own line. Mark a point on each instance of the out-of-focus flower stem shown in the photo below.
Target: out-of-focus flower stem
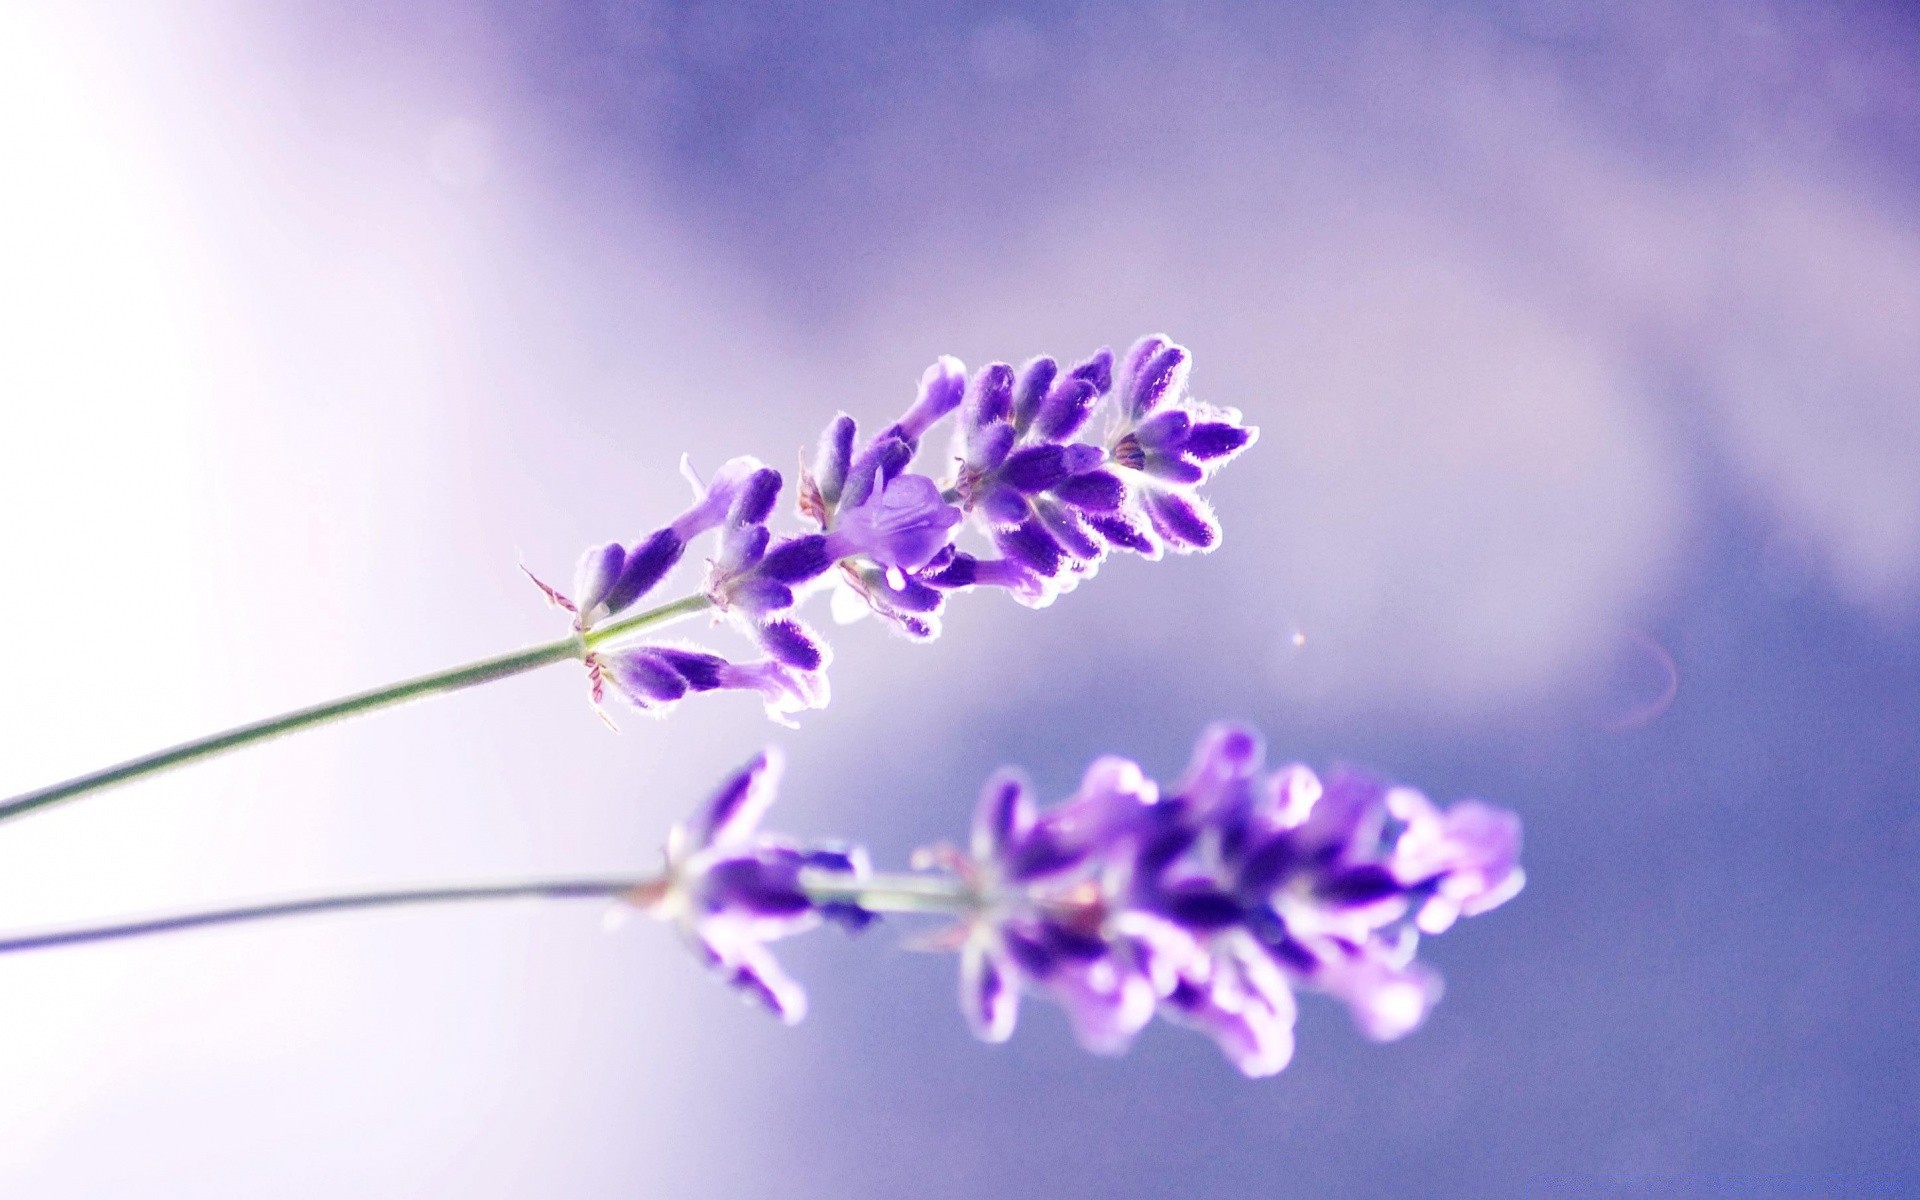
{"x": 575, "y": 646}
{"x": 878, "y": 894}
{"x": 941, "y": 894}
{"x": 546, "y": 889}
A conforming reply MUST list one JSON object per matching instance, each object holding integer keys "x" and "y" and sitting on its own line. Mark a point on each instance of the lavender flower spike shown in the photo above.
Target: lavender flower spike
{"x": 1048, "y": 502}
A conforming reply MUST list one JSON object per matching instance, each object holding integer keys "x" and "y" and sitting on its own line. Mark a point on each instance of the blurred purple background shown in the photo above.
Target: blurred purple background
{"x": 1579, "y": 336}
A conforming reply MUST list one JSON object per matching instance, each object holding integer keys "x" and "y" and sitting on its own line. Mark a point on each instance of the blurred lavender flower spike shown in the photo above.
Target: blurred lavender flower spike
{"x": 1047, "y": 507}
{"x": 1212, "y": 904}
{"x": 731, "y": 889}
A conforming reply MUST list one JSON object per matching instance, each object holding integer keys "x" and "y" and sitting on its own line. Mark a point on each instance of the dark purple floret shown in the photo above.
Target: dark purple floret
{"x": 793, "y": 644}
{"x": 1359, "y": 886}
{"x": 797, "y": 560}
{"x": 1182, "y": 520}
{"x": 834, "y": 457}
{"x": 732, "y": 888}
{"x": 644, "y": 566}
{"x": 1035, "y": 468}
{"x": 650, "y": 677}
{"x": 1092, "y": 491}
{"x": 1036, "y": 381}
{"x": 1030, "y": 545}
{"x": 1067, "y": 529}
{"x": 1098, "y": 371}
{"x": 767, "y": 885}
{"x": 699, "y": 669}
{"x": 757, "y": 496}
{"x": 1067, "y": 408}
{"x": 599, "y": 570}
{"x": 991, "y": 401}
{"x": 1214, "y": 440}
{"x": 1120, "y": 532}
{"x": 1174, "y": 469}
{"x": 887, "y": 457}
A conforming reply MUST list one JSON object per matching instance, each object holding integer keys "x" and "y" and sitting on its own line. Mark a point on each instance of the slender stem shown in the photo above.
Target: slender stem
{"x": 666, "y": 614}
{"x": 574, "y": 646}
{"x": 548, "y": 889}
{"x": 892, "y": 893}
{"x": 876, "y": 893}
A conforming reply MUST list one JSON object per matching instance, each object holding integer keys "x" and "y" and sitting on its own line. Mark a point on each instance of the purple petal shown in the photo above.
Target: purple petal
{"x": 733, "y": 812}
{"x": 1184, "y": 521}
{"x": 1098, "y": 370}
{"x": 753, "y": 888}
{"x": 1348, "y": 819}
{"x": 904, "y": 526}
{"x": 756, "y": 499}
{"x": 991, "y": 400}
{"x": 1079, "y": 457}
{"x": 1066, "y": 409}
{"x": 1123, "y": 534}
{"x": 1108, "y": 1003}
{"x": 1036, "y": 380}
{"x": 757, "y": 595}
{"x": 1201, "y": 908}
{"x": 701, "y": 671}
{"x": 1004, "y": 505}
{"x": 1217, "y": 440}
{"x": 833, "y": 458}
{"x": 1127, "y": 378}
{"x": 783, "y": 689}
{"x": 599, "y": 568}
{"x": 758, "y": 976}
{"x": 1225, "y": 760}
{"x": 741, "y": 547}
{"x": 1003, "y": 815}
{"x": 714, "y": 499}
{"x": 1092, "y": 491}
{"x": 1164, "y": 430}
{"x": 645, "y": 566}
{"x": 1032, "y": 547}
{"x": 1358, "y": 887}
{"x": 942, "y": 387}
{"x": 877, "y": 463}
{"x": 1164, "y": 377}
{"x": 1173, "y": 468}
{"x": 988, "y": 445}
{"x": 1067, "y": 529}
{"x": 1035, "y": 468}
{"x": 989, "y": 992}
{"x": 797, "y": 560}
{"x": 792, "y": 643}
{"x": 646, "y": 677}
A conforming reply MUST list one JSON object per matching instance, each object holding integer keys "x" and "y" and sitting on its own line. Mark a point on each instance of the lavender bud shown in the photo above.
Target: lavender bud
{"x": 833, "y": 458}
{"x": 645, "y": 566}
{"x": 1036, "y": 380}
{"x": 991, "y": 399}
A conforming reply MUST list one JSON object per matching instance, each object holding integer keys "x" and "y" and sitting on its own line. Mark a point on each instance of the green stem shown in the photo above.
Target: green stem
{"x": 876, "y": 893}
{"x": 574, "y": 646}
{"x": 546, "y": 889}
{"x": 941, "y": 894}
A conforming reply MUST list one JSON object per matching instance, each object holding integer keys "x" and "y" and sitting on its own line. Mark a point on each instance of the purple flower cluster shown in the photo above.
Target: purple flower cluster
{"x": 732, "y": 889}
{"x": 1211, "y": 904}
{"x": 1050, "y": 506}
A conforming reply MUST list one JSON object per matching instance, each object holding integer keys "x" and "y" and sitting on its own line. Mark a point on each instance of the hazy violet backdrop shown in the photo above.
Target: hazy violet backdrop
{"x": 1584, "y": 340}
